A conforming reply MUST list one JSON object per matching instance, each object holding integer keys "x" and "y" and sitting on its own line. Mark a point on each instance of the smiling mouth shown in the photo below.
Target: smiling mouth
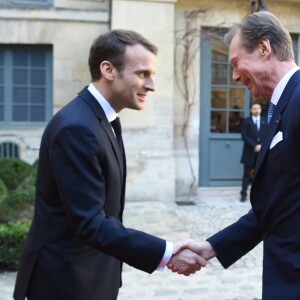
{"x": 142, "y": 96}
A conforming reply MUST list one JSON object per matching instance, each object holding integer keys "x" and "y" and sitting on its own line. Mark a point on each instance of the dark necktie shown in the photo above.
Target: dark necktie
{"x": 116, "y": 125}
{"x": 270, "y": 111}
{"x": 257, "y": 124}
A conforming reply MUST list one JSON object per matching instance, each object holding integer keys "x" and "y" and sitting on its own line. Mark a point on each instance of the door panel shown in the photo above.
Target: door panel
{"x": 224, "y": 104}
{"x": 221, "y": 165}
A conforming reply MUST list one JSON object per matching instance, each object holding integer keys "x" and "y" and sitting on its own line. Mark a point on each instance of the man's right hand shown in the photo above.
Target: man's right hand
{"x": 187, "y": 263}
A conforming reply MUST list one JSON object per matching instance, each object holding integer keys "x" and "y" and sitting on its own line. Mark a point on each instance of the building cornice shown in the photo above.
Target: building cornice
{"x": 54, "y": 14}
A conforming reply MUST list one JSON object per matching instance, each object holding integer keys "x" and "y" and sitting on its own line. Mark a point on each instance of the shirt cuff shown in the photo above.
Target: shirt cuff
{"x": 167, "y": 256}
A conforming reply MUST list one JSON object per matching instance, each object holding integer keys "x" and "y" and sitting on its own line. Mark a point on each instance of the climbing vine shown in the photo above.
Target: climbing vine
{"x": 187, "y": 47}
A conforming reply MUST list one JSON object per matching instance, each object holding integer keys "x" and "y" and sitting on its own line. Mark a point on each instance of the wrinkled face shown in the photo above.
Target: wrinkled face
{"x": 256, "y": 110}
{"x": 249, "y": 68}
{"x": 130, "y": 87}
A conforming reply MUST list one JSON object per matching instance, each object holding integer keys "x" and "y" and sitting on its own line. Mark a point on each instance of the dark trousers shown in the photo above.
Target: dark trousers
{"x": 246, "y": 179}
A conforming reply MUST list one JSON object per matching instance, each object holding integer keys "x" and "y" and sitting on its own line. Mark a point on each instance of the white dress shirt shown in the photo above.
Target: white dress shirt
{"x": 282, "y": 84}
{"x": 256, "y": 121}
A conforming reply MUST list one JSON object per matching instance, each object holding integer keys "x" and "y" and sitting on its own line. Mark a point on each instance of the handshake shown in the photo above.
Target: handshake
{"x": 190, "y": 256}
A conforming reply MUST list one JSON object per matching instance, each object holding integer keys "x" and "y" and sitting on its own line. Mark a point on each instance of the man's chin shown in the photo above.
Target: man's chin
{"x": 140, "y": 106}
{"x": 137, "y": 107}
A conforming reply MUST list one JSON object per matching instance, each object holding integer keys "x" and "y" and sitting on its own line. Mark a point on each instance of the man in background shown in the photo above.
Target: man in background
{"x": 253, "y": 130}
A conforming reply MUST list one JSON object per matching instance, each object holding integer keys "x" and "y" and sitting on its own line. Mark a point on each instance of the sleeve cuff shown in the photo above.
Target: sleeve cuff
{"x": 167, "y": 256}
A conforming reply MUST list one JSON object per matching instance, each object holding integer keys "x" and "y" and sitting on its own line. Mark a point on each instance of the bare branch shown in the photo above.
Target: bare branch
{"x": 185, "y": 41}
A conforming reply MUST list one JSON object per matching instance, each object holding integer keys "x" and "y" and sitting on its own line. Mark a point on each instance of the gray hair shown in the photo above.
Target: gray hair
{"x": 263, "y": 25}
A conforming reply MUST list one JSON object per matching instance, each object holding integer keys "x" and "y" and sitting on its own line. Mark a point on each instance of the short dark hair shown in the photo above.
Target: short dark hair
{"x": 111, "y": 46}
{"x": 263, "y": 25}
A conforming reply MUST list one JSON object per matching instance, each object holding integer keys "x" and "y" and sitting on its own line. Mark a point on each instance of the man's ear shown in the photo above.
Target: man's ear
{"x": 107, "y": 70}
{"x": 265, "y": 47}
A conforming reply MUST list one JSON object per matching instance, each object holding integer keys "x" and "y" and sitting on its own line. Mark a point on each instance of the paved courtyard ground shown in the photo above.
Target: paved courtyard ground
{"x": 242, "y": 281}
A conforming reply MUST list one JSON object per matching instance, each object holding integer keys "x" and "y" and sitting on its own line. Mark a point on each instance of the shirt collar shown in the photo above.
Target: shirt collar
{"x": 108, "y": 110}
{"x": 282, "y": 84}
{"x": 256, "y": 118}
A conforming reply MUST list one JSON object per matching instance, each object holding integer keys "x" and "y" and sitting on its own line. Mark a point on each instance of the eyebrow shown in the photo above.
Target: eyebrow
{"x": 146, "y": 71}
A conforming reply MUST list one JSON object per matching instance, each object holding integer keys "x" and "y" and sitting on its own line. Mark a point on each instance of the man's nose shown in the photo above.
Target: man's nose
{"x": 235, "y": 76}
{"x": 150, "y": 84}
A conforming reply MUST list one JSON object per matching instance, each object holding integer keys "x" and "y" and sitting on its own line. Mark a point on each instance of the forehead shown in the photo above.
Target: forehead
{"x": 256, "y": 106}
{"x": 139, "y": 55}
{"x": 235, "y": 47}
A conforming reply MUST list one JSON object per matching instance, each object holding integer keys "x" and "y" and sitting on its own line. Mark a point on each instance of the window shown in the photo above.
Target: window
{"x": 230, "y": 101}
{"x": 8, "y": 149}
{"x": 228, "y": 97}
{"x": 26, "y": 3}
{"x": 25, "y": 84}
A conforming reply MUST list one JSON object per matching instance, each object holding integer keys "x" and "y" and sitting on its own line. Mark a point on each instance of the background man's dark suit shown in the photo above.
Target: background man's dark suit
{"x": 251, "y": 137}
{"x": 275, "y": 198}
{"x": 71, "y": 256}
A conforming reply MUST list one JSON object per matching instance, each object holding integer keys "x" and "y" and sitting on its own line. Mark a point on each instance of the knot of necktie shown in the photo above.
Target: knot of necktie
{"x": 116, "y": 125}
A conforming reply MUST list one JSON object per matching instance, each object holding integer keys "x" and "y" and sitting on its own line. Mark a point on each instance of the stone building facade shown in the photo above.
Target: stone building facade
{"x": 171, "y": 150}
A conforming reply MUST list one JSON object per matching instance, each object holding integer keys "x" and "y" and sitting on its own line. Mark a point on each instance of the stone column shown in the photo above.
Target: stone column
{"x": 148, "y": 134}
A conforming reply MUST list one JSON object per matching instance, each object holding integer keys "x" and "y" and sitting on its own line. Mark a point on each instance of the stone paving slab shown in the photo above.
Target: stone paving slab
{"x": 242, "y": 281}
{"x": 7, "y": 281}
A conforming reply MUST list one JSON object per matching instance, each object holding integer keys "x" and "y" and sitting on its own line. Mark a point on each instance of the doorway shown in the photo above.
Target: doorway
{"x": 223, "y": 105}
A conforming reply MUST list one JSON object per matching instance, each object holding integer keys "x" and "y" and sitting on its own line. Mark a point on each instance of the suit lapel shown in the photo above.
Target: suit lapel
{"x": 96, "y": 107}
{"x": 262, "y": 124}
{"x": 268, "y": 138}
{"x": 276, "y": 119}
{"x": 253, "y": 124}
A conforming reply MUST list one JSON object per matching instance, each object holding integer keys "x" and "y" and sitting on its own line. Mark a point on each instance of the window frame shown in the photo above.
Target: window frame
{"x": 8, "y": 85}
{"x": 227, "y": 86}
{"x": 28, "y": 3}
{"x": 11, "y": 149}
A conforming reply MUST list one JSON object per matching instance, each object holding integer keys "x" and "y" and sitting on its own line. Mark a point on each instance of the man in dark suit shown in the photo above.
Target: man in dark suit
{"x": 77, "y": 243}
{"x": 252, "y": 130}
{"x": 262, "y": 58}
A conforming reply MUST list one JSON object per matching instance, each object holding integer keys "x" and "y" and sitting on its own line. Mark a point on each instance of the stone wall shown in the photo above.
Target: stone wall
{"x": 158, "y": 165}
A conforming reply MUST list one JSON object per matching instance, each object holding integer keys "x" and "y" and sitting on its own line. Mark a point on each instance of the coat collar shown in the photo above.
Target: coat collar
{"x": 93, "y": 103}
{"x": 276, "y": 118}
{"x": 86, "y": 96}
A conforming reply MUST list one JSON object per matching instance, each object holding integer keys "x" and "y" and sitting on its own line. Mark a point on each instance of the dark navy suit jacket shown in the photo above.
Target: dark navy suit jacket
{"x": 251, "y": 137}
{"x": 275, "y": 198}
{"x": 77, "y": 242}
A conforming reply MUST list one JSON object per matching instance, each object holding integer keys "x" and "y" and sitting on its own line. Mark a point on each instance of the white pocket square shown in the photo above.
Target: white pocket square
{"x": 276, "y": 139}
